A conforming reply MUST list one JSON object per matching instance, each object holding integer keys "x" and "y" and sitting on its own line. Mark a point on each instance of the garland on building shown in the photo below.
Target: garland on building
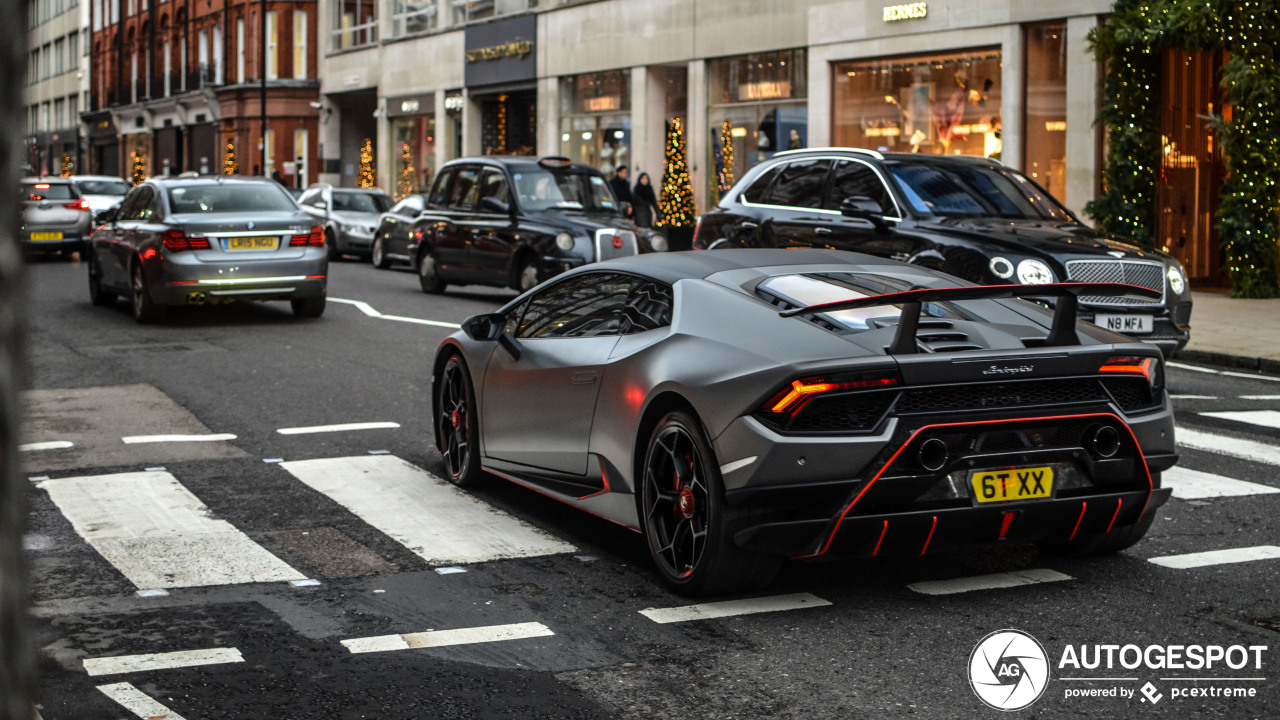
{"x": 366, "y": 178}
{"x": 676, "y": 200}
{"x": 66, "y": 165}
{"x": 139, "y": 171}
{"x": 726, "y": 144}
{"x": 406, "y": 184}
{"x": 229, "y": 164}
{"x": 1130, "y": 46}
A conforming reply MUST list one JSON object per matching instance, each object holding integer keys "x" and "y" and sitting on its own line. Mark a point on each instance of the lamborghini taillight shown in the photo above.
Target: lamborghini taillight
{"x": 1147, "y": 367}
{"x": 791, "y": 399}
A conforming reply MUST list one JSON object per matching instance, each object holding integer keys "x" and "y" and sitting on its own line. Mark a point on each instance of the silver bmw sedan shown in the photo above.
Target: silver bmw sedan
{"x": 213, "y": 239}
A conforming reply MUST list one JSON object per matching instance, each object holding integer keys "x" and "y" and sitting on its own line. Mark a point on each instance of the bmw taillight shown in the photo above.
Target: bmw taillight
{"x": 77, "y": 205}
{"x": 315, "y": 238}
{"x": 790, "y": 400}
{"x": 1148, "y": 367}
{"x": 176, "y": 240}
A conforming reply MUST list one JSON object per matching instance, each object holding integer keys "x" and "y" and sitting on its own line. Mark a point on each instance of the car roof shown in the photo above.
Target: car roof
{"x": 97, "y": 177}
{"x": 891, "y": 157}
{"x": 175, "y": 181}
{"x": 366, "y": 191}
{"x": 669, "y": 267}
{"x": 522, "y": 161}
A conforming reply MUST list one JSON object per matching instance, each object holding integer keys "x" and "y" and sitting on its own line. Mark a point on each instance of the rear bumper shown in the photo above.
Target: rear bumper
{"x": 185, "y": 280}
{"x": 355, "y": 240}
{"x": 69, "y": 241}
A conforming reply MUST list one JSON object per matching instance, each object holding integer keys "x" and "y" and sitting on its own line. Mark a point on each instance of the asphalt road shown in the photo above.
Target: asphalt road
{"x": 296, "y": 557}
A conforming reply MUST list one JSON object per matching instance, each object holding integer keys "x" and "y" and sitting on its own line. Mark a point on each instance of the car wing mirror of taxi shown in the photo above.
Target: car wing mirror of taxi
{"x": 861, "y": 207}
{"x": 492, "y": 327}
{"x": 494, "y": 205}
{"x": 625, "y": 207}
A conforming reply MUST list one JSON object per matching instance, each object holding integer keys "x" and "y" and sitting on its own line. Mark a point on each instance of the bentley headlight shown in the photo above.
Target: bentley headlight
{"x": 1177, "y": 281}
{"x": 1001, "y": 267}
{"x": 564, "y": 241}
{"x": 1034, "y": 272}
{"x": 658, "y": 243}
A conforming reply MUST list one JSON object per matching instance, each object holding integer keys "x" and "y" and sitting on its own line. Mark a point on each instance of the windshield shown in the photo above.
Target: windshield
{"x": 540, "y": 189}
{"x": 103, "y": 187}
{"x": 806, "y": 290}
{"x": 360, "y": 202}
{"x": 975, "y": 191}
{"x": 230, "y": 198}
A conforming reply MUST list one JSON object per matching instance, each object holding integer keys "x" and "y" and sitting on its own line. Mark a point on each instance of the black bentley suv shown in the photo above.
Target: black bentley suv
{"x": 515, "y": 221}
{"x": 967, "y": 216}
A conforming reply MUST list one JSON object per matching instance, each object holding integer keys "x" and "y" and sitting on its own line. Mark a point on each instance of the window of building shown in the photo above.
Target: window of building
{"x": 410, "y": 17}
{"x": 269, "y": 147}
{"x": 301, "y": 153}
{"x": 168, "y": 68}
{"x": 217, "y": 54}
{"x": 940, "y": 104}
{"x": 73, "y": 109}
{"x": 470, "y": 10}
{"x": 240, "y": 51}
{"x": 273, "y": 46}
{"x": 133, "y": 77}
{"x": 59, "y": 113}
{"x": 1044, "y": 154}
{"x": 59, "y": 56}
{"x": 182, "y": 62}
{"x": 595, "y": 124}
{"x": 73, "y": 50}
{"x": 46, "y": 61}
{"x": 355, "y": 23}
{"x": 202, "y": 55}
{"x": 300, "y": 44}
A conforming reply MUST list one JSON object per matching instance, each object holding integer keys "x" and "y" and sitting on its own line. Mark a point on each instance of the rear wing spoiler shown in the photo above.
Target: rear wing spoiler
{"x": 1062, "y": 332}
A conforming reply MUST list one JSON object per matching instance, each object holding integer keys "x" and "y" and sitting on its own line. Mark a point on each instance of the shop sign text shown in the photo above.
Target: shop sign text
{"x": 515, "y": 48}
{"x": 910, "y": 11}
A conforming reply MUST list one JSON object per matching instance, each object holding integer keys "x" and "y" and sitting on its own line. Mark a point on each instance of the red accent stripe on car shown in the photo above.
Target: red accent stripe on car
{"x": 544, "y": 493}
{"x": 1005, "y": 522}
{"x": 1119, "y": 502}
{"x": 1076, "y": 529}
{"x": 932, "y": 527}
{"x": 604, "y": 475}
{"x": 883, "y": 530}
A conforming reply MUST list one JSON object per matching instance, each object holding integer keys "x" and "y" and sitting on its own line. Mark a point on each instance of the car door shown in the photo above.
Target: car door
{"x": 797, "y": 218}
{"x": 108, "y": 240}
{"x": 399, "y": 225}
{"x": 857, "y": 178}
{"x": 130, "y": 231}
{"x": 538, "y": 410}
{"x": 494, "y": 230}
{"x": 453, "y": 234}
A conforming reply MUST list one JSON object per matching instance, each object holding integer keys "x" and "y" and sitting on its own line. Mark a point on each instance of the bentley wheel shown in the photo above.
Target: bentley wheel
{"x": 312, "y": 307}
{"x": 379, "y": 255}
{"x": 686, "y": 519}
{"x": 97, "y": 295}
{"x": 526, "y": 274}
{"x": 457, "y": 425}
{"x": 145, "y": 310}
{"x": 429, "y": 275}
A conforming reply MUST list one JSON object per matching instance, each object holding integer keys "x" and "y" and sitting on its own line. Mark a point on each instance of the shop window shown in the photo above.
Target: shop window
{"x": 355, "y": 23}
{"x": 1044, "y": 156}
{"x": 854, "y": 179}
{"x": 940, "y": 104}
{"x": 410, "y": 17}
{"x": 595, "y": 125}
{"x": 800, "y": 184}
{"x": 417, "y": 134}
{"x": 465, "y": 11}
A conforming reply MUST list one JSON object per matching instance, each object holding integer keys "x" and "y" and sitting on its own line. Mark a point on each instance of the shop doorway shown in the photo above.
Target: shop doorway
{"x": 508, "y": 123}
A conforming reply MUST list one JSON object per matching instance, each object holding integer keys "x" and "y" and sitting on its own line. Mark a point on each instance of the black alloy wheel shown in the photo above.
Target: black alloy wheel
{"x": 331, "y": 242}
{"x": 145, "y": 310}
{"x": 312, "y": 307}
{"x": 526, "y": 276}
{"x": 429, "y": 274}
{"x": 379, "y": 254}
{"x": 686, "y": 520}
{"x": 457, "y": 426}
{"x": 97, "y": 295}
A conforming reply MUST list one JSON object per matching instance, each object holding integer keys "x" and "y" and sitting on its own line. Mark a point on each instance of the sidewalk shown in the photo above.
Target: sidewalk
{"x": 1234, "y": 332}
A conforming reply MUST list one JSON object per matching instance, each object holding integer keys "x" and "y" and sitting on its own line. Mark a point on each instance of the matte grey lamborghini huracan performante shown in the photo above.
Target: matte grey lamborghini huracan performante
{"x": 747, "y": 406}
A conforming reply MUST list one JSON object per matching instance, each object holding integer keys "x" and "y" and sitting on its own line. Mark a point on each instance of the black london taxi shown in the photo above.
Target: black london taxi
{"x": 514, "y": 221}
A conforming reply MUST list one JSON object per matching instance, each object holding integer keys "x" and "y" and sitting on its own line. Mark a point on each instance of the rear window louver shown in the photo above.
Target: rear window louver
{"x": 935, "y": 335}
{"x": 781, "y": 304}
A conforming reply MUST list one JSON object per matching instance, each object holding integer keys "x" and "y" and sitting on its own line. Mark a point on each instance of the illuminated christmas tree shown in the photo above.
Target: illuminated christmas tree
{"x": 229, "y": 164}
{"x": 139, "y": 171}
{"x": 366, "y": 178}
{"x": 677, "y": 188}
{"x": 405, "y": 186}
{"x": 66, "y": 166}
{"x": 726, "y": 143}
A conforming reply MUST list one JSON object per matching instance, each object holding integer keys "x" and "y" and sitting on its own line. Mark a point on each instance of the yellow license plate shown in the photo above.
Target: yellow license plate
{"x": 267, "y": 242}
{"x": 1011, "y": 484}
{"x": 46, "y": 236}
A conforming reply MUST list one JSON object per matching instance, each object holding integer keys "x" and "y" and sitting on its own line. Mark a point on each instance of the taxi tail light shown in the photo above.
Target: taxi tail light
{"x": 1148, "y": 367}
{"x": 791, "y": 399}
{"x": 77, "y": 205}
{"x": 175, "y": 241}
{"x": 314, "y": 238}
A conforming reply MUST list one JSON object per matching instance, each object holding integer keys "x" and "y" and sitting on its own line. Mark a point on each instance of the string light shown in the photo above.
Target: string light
{"x": 229, "y": 164}
{"x": 677, "y": 189}
{"x": 66, "y": 165}
{"x": 726, "y": 142}
{"x": 366, "y": 178}
{"x": 405, "y": 185}
{"x": 139, "y": 170}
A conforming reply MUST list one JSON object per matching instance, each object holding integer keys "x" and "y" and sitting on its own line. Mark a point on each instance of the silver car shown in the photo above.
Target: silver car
{"x": 349, "y": 216}
{"x": 214, "y": 239}
{"x": 102, "y": 191}
{"x": 54, "y": 215}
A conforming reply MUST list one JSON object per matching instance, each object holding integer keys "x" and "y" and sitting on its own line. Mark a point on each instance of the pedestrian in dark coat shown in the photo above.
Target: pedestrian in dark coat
{"x": 645, "y": 207}
{"x": 621, "y": 189}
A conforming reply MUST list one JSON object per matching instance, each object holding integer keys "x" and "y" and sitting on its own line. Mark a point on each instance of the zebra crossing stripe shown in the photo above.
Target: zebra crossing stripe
{"x": 445, "y": 638}
{"x": 138, "y": 702}
{"x": 996, "y": 581}
{"x": 160, "y": 661}
{"x": 1218, "y": 557}
{"x": 1263, "y": 418}
{"x": 732, "y": 608}
{"x": 440, "y": 523}
{"x": 159, "y": 535}
{"x": 1224, "y": 445}
{"x": 1195, "y": 485}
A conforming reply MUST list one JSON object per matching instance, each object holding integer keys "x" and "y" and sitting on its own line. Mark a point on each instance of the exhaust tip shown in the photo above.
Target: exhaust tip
{"x": 932, "y": 455}
{"x": 1105, "y": 441}
{"x": 197, "y": 298}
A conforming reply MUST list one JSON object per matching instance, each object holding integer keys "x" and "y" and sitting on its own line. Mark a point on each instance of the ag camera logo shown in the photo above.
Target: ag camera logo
{"x": 1008, "y": 670}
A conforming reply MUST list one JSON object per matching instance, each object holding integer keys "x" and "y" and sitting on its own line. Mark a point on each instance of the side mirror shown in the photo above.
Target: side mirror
{"x": 861, "y": 207}
{"x": 492, "y": 327}
{"x": 494, "y": 205}
{"x": 625, "y": 207}
{"x": 107, "y": 216}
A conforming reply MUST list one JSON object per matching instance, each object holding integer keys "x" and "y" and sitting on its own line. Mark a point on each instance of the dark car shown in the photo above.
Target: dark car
{"x": 55, "y": 215}
{"x": 394, "y": 236}
{"x": 197, "y": 240}
{"x": 515, "y": 221}
{"x": 970, "y": 217}
{"x": 874, "y": 408}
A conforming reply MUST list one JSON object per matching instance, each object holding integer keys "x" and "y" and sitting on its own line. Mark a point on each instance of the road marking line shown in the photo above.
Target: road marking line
{"x": 160, "y": 661}
{"x": 444, "y": 638}
{"x": 440, "y": 523}
{"x": 450, "y": 570}
{"x": 1223, "y": 445}
{"x": 1194, "y": 485}
{"x": 139, "y": 439}
{"x": 1228, "y": 373}
{"x": 731, "y": 608}
{"x": 1218, "y": 557}
{"x": 1264, "y": 418}
{"x": 994, "y": 581}
{"x": 338, "y": 428}
{"x": 369, "y": 310}
{"x": 304, "y": 583}
{"x": 1194, "y": 397}
{"x": 49, "y": 445}
{"x": 159, "y": 535}
{"x": 1260, "y": 397}
{"x": 151, "y": 593}
{"x": 138, "y": 702}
